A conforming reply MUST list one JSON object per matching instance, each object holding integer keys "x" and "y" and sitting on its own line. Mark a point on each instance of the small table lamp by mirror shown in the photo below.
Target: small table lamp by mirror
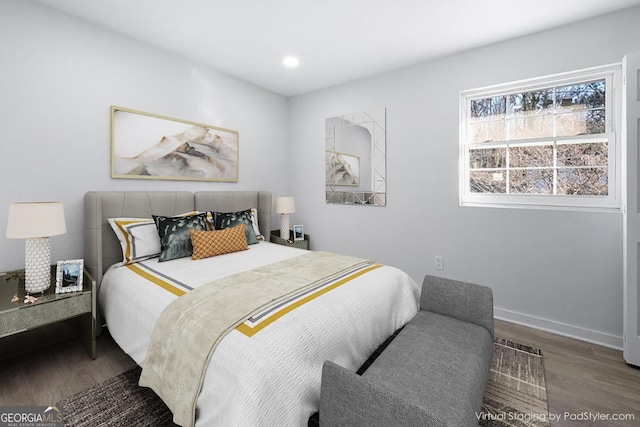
{"x": 36, "y": 222}
{"x": 284, "y": 206}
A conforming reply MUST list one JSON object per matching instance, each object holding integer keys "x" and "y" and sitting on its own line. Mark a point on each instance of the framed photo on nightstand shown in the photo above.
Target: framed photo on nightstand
{"x": 69, "y": 276}
{"x": 298, "y": 232}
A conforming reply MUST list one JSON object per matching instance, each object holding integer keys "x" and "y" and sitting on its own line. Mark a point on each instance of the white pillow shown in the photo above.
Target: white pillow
{"x": 254, "y": 222}
{"x": 138, "y": 238}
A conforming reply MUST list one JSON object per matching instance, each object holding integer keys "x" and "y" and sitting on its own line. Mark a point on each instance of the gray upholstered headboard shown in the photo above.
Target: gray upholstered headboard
{"x": 101, "y": 247}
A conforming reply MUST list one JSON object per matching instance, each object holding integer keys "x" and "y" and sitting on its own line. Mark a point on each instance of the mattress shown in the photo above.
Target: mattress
{"x": 273, "y": 376}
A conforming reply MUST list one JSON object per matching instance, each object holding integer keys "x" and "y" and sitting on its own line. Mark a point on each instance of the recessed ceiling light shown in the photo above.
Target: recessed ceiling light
{"x": 290, "y": 61}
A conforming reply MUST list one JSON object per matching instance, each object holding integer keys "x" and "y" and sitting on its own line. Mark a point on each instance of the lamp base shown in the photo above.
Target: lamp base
{"x": 37, "y": 269}
{"x": 284, "y": 226}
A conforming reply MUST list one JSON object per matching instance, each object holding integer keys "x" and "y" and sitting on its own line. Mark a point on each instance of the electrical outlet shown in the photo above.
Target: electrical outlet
{"x": 438, "y": 262}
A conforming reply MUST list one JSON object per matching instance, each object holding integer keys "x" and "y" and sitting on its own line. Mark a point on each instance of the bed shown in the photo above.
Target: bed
{"x": 265, "y": 369}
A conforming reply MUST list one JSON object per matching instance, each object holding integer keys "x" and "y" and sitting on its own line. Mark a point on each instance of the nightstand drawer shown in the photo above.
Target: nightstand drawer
{"x": 26, "y": 318}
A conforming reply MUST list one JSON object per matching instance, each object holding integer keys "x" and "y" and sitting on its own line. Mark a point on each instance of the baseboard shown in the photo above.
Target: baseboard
{"x": 559, "y": 328}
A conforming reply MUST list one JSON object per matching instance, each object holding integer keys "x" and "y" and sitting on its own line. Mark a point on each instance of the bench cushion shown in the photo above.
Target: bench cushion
{"x": 439, "y": 364}
{"x": 348, "y": 399}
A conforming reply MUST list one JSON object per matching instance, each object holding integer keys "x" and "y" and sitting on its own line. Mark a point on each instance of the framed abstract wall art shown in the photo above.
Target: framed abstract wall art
{"x": 342, "y": 169}
{"x": 150, "y": 146}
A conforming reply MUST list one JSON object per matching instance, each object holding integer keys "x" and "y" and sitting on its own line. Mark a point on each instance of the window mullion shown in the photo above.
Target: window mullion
{"x": 555, "y": 167}
{"x": 507, "y": 171}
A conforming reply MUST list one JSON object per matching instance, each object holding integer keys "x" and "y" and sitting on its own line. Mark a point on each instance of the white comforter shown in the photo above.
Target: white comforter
{"x": 273, "y": 377}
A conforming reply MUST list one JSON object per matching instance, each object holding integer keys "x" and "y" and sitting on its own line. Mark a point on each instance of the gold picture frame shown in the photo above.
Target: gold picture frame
{"x": 151, "y": 146}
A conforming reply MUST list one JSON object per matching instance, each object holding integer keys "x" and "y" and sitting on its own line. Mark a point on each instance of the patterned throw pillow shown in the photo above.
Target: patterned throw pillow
{"x": 175, "y": 240}
{"x": 222, "y": 220}
{"x": 207, "y": 244}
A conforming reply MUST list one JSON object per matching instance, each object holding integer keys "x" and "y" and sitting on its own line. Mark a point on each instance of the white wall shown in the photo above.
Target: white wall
{"x": 557, "y": 270}
{"x": 553, "y": 269}
{"x": 59, "y": 77}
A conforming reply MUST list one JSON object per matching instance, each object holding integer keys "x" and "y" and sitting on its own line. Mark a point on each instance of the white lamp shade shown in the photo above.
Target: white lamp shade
{"x": 29, "y": 220}
{"x": 285, "y": 204}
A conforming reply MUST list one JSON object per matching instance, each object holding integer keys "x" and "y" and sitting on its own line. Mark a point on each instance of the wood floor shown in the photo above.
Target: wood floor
{"x": 583, "y": 380}
{"x": 49, "y": 374}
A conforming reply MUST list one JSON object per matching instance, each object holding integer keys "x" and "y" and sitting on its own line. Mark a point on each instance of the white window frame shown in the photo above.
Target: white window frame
{"x": 611, "y": 202}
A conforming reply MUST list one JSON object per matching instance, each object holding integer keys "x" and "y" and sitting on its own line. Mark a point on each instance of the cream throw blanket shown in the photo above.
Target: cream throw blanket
{"x": 189, "y": 329}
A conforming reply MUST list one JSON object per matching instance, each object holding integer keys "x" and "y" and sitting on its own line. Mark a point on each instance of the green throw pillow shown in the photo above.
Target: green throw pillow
{"x": 222, "y": 220}
{"x": 175, "y": 240}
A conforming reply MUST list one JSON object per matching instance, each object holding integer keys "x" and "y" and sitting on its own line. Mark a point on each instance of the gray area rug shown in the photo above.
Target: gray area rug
{"x": 516, "y": 392}
{"x": 515, "y": 396}
{"x": 118, "y": 401}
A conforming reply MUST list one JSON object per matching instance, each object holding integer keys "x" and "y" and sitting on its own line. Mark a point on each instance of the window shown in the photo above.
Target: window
{"x": 549, "y": 142}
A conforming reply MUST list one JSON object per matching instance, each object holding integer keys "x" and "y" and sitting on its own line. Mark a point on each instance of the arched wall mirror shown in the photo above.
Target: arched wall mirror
{"x": 355, "y": 158}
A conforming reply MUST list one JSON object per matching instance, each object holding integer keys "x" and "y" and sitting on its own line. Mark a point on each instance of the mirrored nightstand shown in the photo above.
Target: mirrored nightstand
{"x": 302, "y": 244}
{"x": 78, "y": 308}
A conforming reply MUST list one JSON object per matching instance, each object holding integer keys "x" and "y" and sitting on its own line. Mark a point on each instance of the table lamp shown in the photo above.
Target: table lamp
{"x": 36, "y": 222}
{"x": 284, "y": 206}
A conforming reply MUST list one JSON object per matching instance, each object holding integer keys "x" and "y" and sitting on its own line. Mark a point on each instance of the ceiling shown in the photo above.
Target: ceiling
{"x": 336, "y": 41}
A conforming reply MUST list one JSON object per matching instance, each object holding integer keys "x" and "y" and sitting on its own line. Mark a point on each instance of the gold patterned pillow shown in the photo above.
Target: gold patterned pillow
{"x": 217, "y": 242}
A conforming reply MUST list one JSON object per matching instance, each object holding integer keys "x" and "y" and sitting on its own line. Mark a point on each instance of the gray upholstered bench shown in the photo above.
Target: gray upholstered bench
{"x": 432, "y": 374}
